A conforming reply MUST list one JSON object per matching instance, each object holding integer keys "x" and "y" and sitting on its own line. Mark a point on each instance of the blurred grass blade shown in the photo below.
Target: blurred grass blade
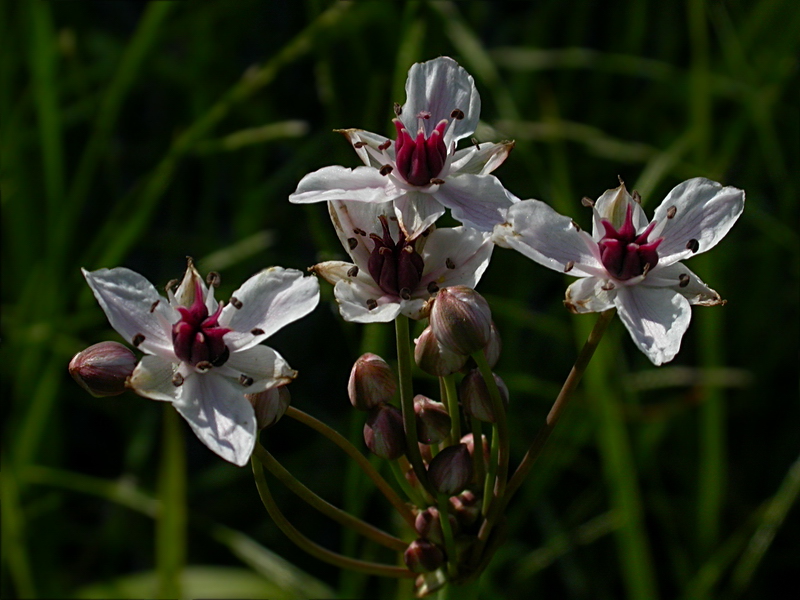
{"x": 14, "y": 546}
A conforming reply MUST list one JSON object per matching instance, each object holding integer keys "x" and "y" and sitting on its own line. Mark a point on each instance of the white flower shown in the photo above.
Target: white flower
{"x": 391, "y": 275}
{"x": 629, "y": 263}
{"x": 421, "y": 171}
{"x": 204, "y": 356}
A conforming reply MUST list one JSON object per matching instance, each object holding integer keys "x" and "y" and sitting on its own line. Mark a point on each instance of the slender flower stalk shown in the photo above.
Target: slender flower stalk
{"x": 477, "y": 449}
{"x": 452, "y": 407}
{"x": 443, "y": 504}
{"x": 357, "y": 456}
{"x": 313, "y": 548}
{"x": 338, "y": 515}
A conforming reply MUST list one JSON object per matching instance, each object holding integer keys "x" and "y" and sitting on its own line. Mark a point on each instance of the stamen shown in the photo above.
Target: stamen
{"x": 449, "y": 263}
{"x": 437, "y": 181}
{"x": 424, "y": 114}
{"x": 359, "y": 231}
{"x": 257, "y": 331}
{"x": 371, "y": 303}
{"x": 137, "y": 339}
{"x": 386, "y": 169}
{"x": 405, "y": 294}
{"x": 569, "y": 266}
{"x": 619, "y": 178}
{"x": 204, "y": 366}
{"x": 171, "y": 284}
{"x": 475, "y": 143}
{"x": 153, "y": 305}
{"x": 607, "y": 286}
{"x": 457, "y": 114}
{"x": 693, "y": 245}
{"x": 587, "y": 202}
{"x": 398, "y": 110}
{"x": 359, "y": 144}
{"x": 575, "y": 225}
{"x": 432, "y": 287}
{"x": 683, "y": 280}
{"x": 245, "y": 380}
{"x": 385, "y": 145}
{"x": 636, "y": 197}
{"x": 177, "y": 380}
{"x": 671, "y": 212}
{"x": 237, "y": 304}
{"x": 645, "y": 269}
{"x": 352, "y": 242}
{"x": 352, "y": 271}
{"x": 213, "y": 279}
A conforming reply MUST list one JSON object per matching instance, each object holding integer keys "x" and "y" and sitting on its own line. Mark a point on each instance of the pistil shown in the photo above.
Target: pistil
{"x": 197, "y": 337}
{"x": 626, "y": 254}
{"x": 395, "y": 266}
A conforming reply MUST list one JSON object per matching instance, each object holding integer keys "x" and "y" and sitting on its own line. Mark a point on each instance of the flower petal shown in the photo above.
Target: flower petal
{"x": 362, "y": 184}
{"x": 479, "y": 201}
{"x": 587, "y": 295}
{"x": 613, "y": 206}
{"x": 438, "y": 87}
{"x": 152, "y": 378}
{"x": 480, "y": 159}
{"x": 704, "y": 211}
{"x": 682, "y": 280}
{"x": 353, "y": 296}
{"x": 416, "y": 211}
{"x": 361, "y": 140}
{"x": 333, "y": 271}
{"x": 134, "y": 308}
{"x": 220, "y": 416}
{"x": 551, "y": 239}
{"x": 268, "y": 301}
{"x": 656, "y": 318}
{"x": 456, "y": 256}
{"x": 263, "y": 365}
{"x": 354, "y": 221}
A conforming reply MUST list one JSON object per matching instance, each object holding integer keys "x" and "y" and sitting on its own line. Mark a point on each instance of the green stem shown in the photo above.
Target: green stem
{"x": 171, "y": 520}
{"x": 360, "y": 459}
{"x": 451, "y": 396}
{"x": 447, "y": 533}
{"x": 338, "y": 515}
{"x": 414, "y": 495}
{"x": 477, "y": 453}
{"x": 407, "y": 400}
{"x": 313, "y": 548}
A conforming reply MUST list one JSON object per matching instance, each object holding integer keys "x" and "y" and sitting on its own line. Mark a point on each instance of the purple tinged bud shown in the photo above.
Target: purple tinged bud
{"x": 450, "y": 470}
{"x": 467, "y": 507}
{"x": 384, "y": 433}
{"x": 270, "y": 405}
{"x": 429, "y": 526}
{"x": 461, "y": 319}
{"x": 372, "y": 382}
{"x": 435, "y": 359}
{"x": 475, "y": 397}
{"x": 433, "y": 420}
{"x": 103, "y": 369}
{"x": 423, "y": 556}
{"x": 491, "y": 351}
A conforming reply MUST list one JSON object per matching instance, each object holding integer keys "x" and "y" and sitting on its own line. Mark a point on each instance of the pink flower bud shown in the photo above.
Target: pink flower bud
{"x": 467, "y": 507}
{"x": 450, "y": 470}
{"x": 270, "y": 405}
{"x": 435, "y": 359}
{"x": 429, "y": 526}
{"x": 491, "y": 351}
{"x": 461, "y": 319}
{"x": 475, "y": 397}
{"x": 372, "y": 382}
{"x": 384, "y": 433}
{"x": 103, "y": 369}
{"x": 423, "y": 556}
{"x": 433, "y": 420}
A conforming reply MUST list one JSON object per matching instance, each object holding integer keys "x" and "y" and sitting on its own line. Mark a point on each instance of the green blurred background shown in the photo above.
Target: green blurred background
{"x": 138, "y": 133}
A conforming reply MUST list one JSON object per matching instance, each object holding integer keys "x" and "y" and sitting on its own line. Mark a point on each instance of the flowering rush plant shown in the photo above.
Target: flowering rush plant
{"x": 449, "y": 455}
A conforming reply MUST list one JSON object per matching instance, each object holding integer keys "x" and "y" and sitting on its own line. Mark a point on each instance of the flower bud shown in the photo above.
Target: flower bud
{"x": 491, "y": 351}
{"x": 450, "y": 470}
{"x": 427, "y": 583}
{"x": 467, "y": 507}
{"x": 433, "y": 421}
{"x": 270, "y": 405}
{"x": 384, "y": 433}
{"x": 102, "y": 369}
{"x": 469, "y": 440}
{"x": 423, "y": 556}
{"x": 461, "y": 319}
{"x": 429, "y": 526}
{"x": 475, "y": 397}
{"x": 435, "y": 359}
{"x": 372, "y": 382}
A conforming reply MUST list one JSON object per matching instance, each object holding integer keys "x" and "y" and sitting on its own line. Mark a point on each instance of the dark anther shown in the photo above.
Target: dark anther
{"x": 257, "y": 331}
{"x": 427, "y": 232}
{"x": 386, "y": 169}
{"x": 153, "y": 305}
{"x": 352, "y": 242}
{"x": 385, "y": 145}
{"x": 245, "y": 380}
{"x": 171, "y": 284}
{"x": 352, "y": 271}
{"x": 607, "y": 286}
{"x": 683, "y": 280}
{"x": 693, "y": 245}
{"x": 457, "y": 114}
{"x": 449, "y": 263}
{"x": 587, "y": 202}
{"x": 437, "y": 181}
{"x": 432, "y": 287}
{"x": 575, "y": 225}
{"x": 204, "y": 366}
{"x": 213, "y": 279}
{"x": 359, "y": 231}
{"x": 137, "y": 339}
{"x": 568, "y": 267}
{"x": 177, "y": 380}
{"x": 636, "y": 197}
{"x": 671, "y": 212}
{"x": 398, "y": 110}
{"x": 405, "y": 294}
{"x": 237, "y": 304}
{"x": 372, "y": 303}
{"x": 475, "y": 143}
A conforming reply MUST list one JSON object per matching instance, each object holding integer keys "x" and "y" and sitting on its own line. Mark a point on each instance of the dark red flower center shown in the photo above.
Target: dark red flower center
{"x": 395, "y": 266}
{"x": 626, "y": 254}
{"x": 197, "y": 337}
{"x": 420, "y": 159}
